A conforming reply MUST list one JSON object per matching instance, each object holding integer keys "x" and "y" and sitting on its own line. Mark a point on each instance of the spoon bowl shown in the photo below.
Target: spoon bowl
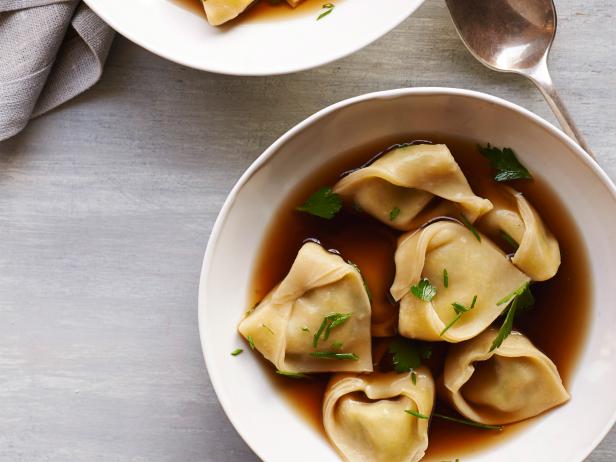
{"x": 514, "y": 36}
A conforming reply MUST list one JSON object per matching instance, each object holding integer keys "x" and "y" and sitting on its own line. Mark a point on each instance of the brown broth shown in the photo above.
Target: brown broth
{"x": 260, "y": 10}
{"x": 557, "y": 324}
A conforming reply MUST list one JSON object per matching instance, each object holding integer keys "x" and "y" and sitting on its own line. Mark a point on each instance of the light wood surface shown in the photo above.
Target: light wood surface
{"x": 107, "y": 203}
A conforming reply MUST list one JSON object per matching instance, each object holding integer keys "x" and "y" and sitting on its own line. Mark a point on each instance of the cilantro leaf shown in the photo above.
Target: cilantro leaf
{"x": 323, "y": 203}
{"x": 329, "y": 322}
{"x": 334, "y": 355}
{"x": 239, "y": 351}
{"x": 407, "y": 354}
{"x": 506, "y": 164}
{"x": 519, "y": 300}
{"x": 394, "y": 213}
{"x": 445, "y": 278}
{"x": 293, "y": 375}
{"x": 328, "y": 7}
{"x": 424, "y": 290}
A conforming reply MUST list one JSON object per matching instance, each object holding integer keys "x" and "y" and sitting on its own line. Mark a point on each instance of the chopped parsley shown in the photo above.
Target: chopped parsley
{"x": 414, "y": 378}
{"x": 335, "y": 355}
{"x": 394, "y": 213}
{"x": 337, "y": 345}
{"x": 328, "y": 7}
{"x": 324, "y": 203}
{"x": 424, "y": 290}
{"x": 470, "y": 423}
{"x": 330, "y": 322}
{"x": 509, "y": 240}
{"x": 470, "y": 226}
{"x": 407, "y": 354}
{"x": 519, "y": 300}
{"x": 237, "y": 352}
{"x": 506, "y": 164}
{"x": 305, "y": 329}
{"x": 293, "y": 375}
{"x": 417, "y": 414}
{"x": 460, "y": 310}
{"x": 445, "y": 278}
{"x": 251, "y": 342}
{"x": 266, "y": 327}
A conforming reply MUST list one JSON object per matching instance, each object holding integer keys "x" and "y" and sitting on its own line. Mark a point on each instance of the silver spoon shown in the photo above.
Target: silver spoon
{"x": 515, "y": 36}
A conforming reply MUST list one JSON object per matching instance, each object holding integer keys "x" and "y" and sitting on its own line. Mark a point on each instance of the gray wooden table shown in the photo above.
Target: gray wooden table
{"x": 107, "y": 203}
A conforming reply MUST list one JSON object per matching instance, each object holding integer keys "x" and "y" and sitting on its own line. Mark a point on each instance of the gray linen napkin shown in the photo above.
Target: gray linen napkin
{"x": 50, "y": 51}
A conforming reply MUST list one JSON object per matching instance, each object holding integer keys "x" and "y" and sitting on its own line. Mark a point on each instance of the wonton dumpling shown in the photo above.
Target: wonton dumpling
{"x": 407, "y": 178}
{"x": 365, "y": 420}
{"x": 512, "y": 383}
{"x": 473, "y": 268}
{"x": 220, "y": 11}
{"x": 538, "y": 254}
{"x": 283, "y": 324}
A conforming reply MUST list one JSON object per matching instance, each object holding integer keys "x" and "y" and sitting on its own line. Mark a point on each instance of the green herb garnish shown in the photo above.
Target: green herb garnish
{"x": 265, "y": 326}
{"x": 509, "y": 240}
{"x": 467, "y": 422}
{"x": 470, "y": 226}
{"x": 407, "y": 354}
{"x": 394, "y": 213}
{"x": 445, "y": 278}
{"x": 330, "y": 322}
{"x": 337, "y": 345}
{"x": 305, "y": 329}
{"x": 460, "y": 310}
{"x": 237, "y": 352}
{"x": 334, "y": 355}
{"x": 519, "y": 300}
{"x": 251, "y": 342}
{"x": 329, "y": 7}
{"x": 368, "y": 291}
{"x": 293, "y": 375}
{"x": 424, "y": 290}
{"x": 417, "y": 414}
{"x": 324, "y": 203}
{"x": 506, "y": 164}
{"x": 414, "y": 378}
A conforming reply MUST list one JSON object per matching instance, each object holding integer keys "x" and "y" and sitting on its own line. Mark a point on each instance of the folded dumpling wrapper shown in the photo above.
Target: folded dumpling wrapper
{"x": 282, "y": 326}
{"x": 364, "y": 415}
{"x": 512, "y": 383}
{"x": 538, "y": 254}
{"x": 408, "y": 178}
{"x": 474, "y": 268}
{"x": 220, "y": 11}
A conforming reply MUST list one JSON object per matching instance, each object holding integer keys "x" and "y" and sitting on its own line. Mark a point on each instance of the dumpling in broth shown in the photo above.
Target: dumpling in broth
{"x": 401, "y": 183}
{"x": 320, "y": 288}
{"x": 512, "y": 383}
{"x": 479, "y": 276}
{"x": 538, "y": 253}
{"x": 220, "y": 11}
{"x": 364, "y": 415}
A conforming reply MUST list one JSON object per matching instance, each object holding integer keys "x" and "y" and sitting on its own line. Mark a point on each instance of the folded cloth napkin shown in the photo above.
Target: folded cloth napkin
{"x": 50, "y": 51}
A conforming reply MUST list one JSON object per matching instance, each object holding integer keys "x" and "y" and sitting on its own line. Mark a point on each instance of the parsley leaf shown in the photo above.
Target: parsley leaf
{"x": 460, "y": 310}
{"x": 239, "y": 351}
{"x": 519, "y": 300}
{"x": 467, "y": 422}
{"x": 417, "y": 414}
{"x": 424, "y": 290}
{"x": 324, "y": 203}
{"x": 251, "y": 342}
{"x": 329, "y": 8}
{"x": 469, "y": 225}
{"x": 506, "y": 164}
{"x": 445, "y": 278}
{"x": 394, "y": 213}
{"x": 293, "y": 375}
{"x": 407, "y": 354}
{"x": 509, "y": 240}
{"x": 329, "y": 322}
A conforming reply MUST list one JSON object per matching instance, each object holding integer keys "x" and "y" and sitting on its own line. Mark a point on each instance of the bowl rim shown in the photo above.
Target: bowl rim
{"x": 96, "y": 7}
{"x": 269, "y": 153}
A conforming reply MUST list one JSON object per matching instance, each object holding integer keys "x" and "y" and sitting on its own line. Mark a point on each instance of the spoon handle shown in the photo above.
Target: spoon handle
{"x": 540, "y": 76}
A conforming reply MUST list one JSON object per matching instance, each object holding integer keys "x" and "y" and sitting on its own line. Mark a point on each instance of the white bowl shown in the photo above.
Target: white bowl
{"x": 263, "y": 47}
{"x": 269, "y": 425}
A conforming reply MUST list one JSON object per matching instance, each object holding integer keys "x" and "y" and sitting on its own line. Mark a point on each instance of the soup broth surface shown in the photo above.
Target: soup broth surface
{"x": 557, "y": 324}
